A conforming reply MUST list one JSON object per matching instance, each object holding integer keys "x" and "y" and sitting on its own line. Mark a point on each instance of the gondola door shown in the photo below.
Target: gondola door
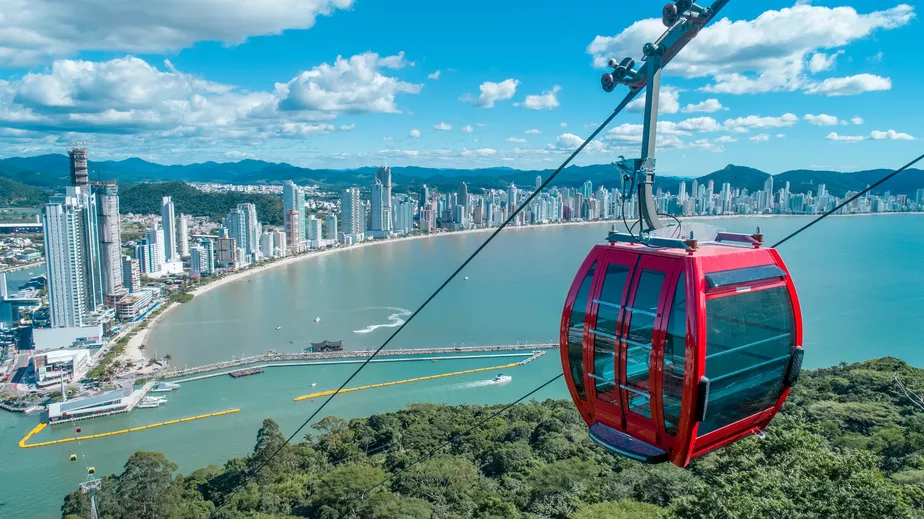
{"x": 641, "y": 337}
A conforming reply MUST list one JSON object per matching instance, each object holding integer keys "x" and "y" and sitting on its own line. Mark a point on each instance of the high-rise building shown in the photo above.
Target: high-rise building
{"x": 512, "y": 199}
{"x": 79, "y": 173}
{"x": 143, "y": 257}
{"x": 314, "y": 229}
{"x": 330, "y": 231}
{"x": 538, "y": 181}
{"x": 424, "y": 197}
{"x": 209, "y": 247}
{"x": 227, "y": 252}
{"x": 351, "y": 212}
{"x": 155, "y": 239}
{"x": 253, "y": 229}
{"x": 182, "y": 235}
{"x": 293, "y": 199}
{"x": 464, "y": 198}
{"x": 378, "y": 217}
{"x": 279, "y": 241}
{"x": 198, "y": 261}
{"x": 383, "y": 175}
{"x": 131, "y": 274}
{"x": 268, "y": 245}
{"x": 293, "y": 229}
{"x": 168, "y": 221}
{"x": 110, "y": 238}
{"x": 404, "y": 213}
{"x": 71, "y": 235}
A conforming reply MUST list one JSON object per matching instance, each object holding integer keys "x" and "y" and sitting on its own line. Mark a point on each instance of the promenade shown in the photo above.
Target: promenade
{"x": 275, "y": 357}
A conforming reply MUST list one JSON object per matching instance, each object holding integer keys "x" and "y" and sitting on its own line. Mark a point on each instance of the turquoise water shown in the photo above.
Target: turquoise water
{"x": 859, "y": 280}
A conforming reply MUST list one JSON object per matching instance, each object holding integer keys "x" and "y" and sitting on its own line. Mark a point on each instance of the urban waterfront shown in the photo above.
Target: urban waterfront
{"x": 514, "y": 293}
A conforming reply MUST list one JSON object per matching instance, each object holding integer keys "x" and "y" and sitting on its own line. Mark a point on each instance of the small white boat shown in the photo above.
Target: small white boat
{"x": 317, "y": 319}
{"x": 148, "y": 405}
{"x": 164, "y": 387}
{"x": 466, "y": 278}
{"x": 154, "y": 400}
{"x": 314, "y": 384}
{"x": 279, "y": 327}
{"x": 500, "y": 379}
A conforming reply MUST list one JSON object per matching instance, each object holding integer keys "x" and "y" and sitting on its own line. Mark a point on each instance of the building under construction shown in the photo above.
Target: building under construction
{"x": 79, "y": 174}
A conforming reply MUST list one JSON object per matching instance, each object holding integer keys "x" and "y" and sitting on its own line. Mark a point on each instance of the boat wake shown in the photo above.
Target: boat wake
{"x": 394, "y": 320}
{"x": 470, "y": 385}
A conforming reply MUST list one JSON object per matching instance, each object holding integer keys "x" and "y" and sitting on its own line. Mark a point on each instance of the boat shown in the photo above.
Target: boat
{"x": 500, "y": 379}
{"x": 466, "y": 278}
{"x": 317, "y": 319}
{"x": 279, "y": 327}
{"x": 164, "y": 387}
{"x": 247, "y": 371}
{"x": 148, "y": 405}
{"x": 154, "y": 400}
{"x": 314, "y": 384}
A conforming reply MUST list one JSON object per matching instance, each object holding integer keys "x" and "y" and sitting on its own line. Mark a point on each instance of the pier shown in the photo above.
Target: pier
{"x": 269, "y": 357}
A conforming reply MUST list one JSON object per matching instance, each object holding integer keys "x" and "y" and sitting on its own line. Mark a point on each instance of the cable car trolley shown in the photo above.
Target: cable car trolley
{"x": 673, "y": 347}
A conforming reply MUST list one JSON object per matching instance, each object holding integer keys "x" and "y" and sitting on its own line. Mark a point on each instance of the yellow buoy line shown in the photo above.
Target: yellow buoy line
{"x": 407, "y": 381}
{"x": 39, "y": 427}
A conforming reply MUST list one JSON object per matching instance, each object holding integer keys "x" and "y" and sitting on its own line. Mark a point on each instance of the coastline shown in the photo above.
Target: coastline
{"x": 134, "y": 353}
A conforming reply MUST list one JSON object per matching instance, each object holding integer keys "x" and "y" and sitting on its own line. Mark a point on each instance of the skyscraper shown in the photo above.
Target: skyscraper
{"x": 182, "y": 235}
{"x": 464, "y": 198}
{"x": 155, "y": 239}
{"x": 293, "y": 229}
{"x": 538, "y": 181}
{"x": 314, "y": 228}
{"x": 404, "y": 213}
{"x": 424, "y": 197}
{"x": 293, "y": 199}
{"x": 512, "y": 198}
{"x": 377, "y": 205}
{"x": 351, "y": 212}
{"x": 252, "y": 230}
{"x": 268, "y": 245}
{"x": 168, "y": 221}
{"x": 110, "y": 239}
{"x": 198, "y": 261}
{"x": 79, "y": 174}
{"x": 383, "y": 175}
{"x": 209, "y": 247}
{"x": 70, "y": 228}
{"x": 330, "y": 231}
{"x": 143, "y": 257}
{"x": 279, "y": 241}
{"x": 131, "y": 274}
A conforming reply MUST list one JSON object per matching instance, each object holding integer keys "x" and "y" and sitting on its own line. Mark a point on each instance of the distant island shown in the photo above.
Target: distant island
{"x": 849, "y": 443}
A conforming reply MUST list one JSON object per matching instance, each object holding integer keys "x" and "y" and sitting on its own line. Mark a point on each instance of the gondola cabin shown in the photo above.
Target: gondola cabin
{"x": 672, "y": 352}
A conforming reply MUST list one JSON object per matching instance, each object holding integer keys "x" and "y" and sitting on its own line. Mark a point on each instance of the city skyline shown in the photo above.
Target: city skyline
{"x": 825, "y": 90}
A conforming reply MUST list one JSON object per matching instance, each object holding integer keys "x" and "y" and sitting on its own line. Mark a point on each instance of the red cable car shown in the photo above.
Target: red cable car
{"x": 672, "y": 352}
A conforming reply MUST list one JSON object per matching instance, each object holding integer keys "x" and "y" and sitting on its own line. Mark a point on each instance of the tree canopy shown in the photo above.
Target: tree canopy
{"x": 849, "y": 443}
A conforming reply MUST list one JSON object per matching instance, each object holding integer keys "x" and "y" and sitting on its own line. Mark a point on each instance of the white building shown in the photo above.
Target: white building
{"x": 404, "y": 213}
{"x": 53, "y": 366}
{"x": 293, "y": 199}
{"x": 182, "y": 235}
{"x": 131, "y": 274}
{"x": 279, "y": 241}
{"x": 352, "y": 221}
{"x": 168, "y": 220}
{"x": 110, "y": 238}
{"x": 73, "y": 260}
{"x": 330, "y": 232}
{"x": 268, "y": 245}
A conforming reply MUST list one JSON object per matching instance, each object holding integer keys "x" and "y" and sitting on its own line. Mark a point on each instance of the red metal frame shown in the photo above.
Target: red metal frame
{"x": 685, "y": 446}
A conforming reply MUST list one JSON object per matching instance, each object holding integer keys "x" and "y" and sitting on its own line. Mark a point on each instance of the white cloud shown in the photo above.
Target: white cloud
{"x": 726, "y": 139}
{"x": 763, "y": 137}
{"x": 821, "y": 61}
{"x": 857, "y": 120}
{"x": 890, "y": 135}
{"x": 850, "y": 85}
{"x": 708, "y": 106}
{"x": 235, "y": 154}
{"x": 875, "y": 58}
{"x": 781, "y": 136}
{"x": 570, "y": 141}
{"x": 768, "y": 53}
{"x": 563, "y": 125}
{"x": 443, "y": 127}
{"x": 516, "y": 140}
{"x": 532, "y": 131}
{"x": 387, "y": 138}
{"x": 694, "y": 125}
{"x": 821, "y": 119}
{"x": 347, "y": 127}
{"x": 415, "y": 134}
{"x": 833, "y": 136}
{"x": 492, "y": 92}
{"x": 706, "y": 145}
{"x": 354, "y": 85}
{"x": 668, "y": 101}
{"x": 546, "y": 101}
{"x": 468, "y": 128}
{"x": 37, "y": 29}
{"x": 743, "y": 124}
{"x": 434, "y": 75}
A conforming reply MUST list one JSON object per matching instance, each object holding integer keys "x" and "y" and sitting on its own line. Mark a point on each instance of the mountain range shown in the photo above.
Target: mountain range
{"x": 52, "y": 171}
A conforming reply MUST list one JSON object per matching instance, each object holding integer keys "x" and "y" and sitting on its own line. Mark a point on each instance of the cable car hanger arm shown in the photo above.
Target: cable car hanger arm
{"x": 683, "y": 19}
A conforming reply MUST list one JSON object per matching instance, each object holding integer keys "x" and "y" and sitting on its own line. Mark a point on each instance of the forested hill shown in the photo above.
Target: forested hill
{"x": 850, "y": 444}
{"x": 146, "y": 198}
{"x": 16, "y": 194}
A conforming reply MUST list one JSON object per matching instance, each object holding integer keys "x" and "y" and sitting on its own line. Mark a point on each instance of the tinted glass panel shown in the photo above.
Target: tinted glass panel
{"x": 675, "y": 346}
{"x": 748, "y": 275}
{"x": 638, "y": 346}
{"x": 611, "y": 298}
{"x": 748, "y": 344}
{"x": 576, "y": 332}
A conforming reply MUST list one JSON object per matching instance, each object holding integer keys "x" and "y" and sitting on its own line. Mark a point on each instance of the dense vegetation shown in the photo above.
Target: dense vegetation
{"x": 15, "y": 194}
{"x": 146, "y": 199}
{"x": 850, "y": 443}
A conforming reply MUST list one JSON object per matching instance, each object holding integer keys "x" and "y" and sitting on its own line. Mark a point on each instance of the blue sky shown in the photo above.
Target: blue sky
{"x": 345, "y": 83}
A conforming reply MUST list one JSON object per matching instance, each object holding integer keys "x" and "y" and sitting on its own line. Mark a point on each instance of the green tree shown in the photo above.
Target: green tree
{"x": 625, "y": 509}
{"x": 147, "y": 488}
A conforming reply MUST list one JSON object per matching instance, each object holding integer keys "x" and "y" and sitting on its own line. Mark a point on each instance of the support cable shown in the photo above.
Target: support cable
{"x": 626, "y": 100}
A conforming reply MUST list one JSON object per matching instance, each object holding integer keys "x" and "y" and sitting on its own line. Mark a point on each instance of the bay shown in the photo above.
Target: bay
{"x": 858, "y": 279}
